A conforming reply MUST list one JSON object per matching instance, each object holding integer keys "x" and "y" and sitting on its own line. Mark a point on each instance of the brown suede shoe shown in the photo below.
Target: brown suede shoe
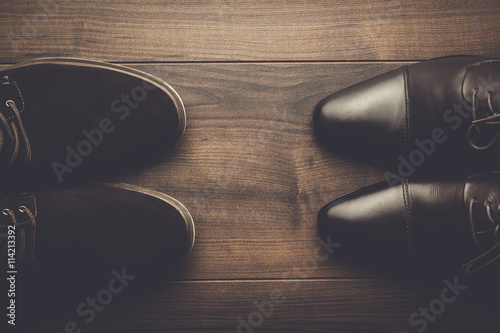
{"x": 62, "y": 119}
{"x": 60, "y": 246}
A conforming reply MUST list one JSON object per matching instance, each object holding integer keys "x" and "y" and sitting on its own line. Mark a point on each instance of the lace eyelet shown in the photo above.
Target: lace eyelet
{"x": 22, "y": 209}
{"x": 6, "y": 211}
{"x": 8, "y": 102}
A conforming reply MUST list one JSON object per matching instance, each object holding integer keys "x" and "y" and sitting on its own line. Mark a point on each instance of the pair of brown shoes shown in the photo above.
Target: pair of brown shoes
{"x": 63, "y": 121}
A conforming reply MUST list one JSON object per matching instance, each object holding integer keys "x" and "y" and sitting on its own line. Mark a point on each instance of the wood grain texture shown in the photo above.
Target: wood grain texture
{"x": 249, "y": 167}
{"x": 246, "y": 30}
{"x": 252, "y": 174}
{"x": 364, "y": 305}
{"x": 254, "y": 177}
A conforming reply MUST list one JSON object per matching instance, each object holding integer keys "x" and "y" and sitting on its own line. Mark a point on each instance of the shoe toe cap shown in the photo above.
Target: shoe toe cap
{"x": 364, "y": 119}
{"x": 371, "y": 219}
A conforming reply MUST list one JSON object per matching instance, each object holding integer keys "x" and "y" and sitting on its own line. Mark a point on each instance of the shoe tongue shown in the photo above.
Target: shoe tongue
{"x": 483, "y": 76}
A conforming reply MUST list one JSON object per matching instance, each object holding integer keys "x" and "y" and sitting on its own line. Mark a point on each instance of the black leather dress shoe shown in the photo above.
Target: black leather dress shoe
{"x": 447, "y": 224}
{"x": 63, "y": 119}
{"x": 433, "y": 113}
{"x": 64, "y": 245}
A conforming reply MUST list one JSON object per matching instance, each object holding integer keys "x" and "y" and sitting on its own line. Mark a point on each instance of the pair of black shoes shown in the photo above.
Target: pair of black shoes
{"x": 67, "y": 120}
{"x": 437, "y": 121}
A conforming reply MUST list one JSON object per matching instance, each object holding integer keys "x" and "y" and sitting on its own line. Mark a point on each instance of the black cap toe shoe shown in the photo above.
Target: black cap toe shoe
{"x": 450, "y": 224}
{"x": 434, "y": 113}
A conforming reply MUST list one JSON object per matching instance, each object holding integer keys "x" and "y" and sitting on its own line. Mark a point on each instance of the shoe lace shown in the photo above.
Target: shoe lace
{"x": 13, "y": 129}
{"x": 21, "y": 239}
{"x": 492, "y": 118}
{"x": 490, "y": 231}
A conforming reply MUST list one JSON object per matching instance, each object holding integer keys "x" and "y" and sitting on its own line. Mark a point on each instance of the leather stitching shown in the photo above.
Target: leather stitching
{"x": 20, "y": 95}
{"x": 408, "y": 215}
{"x": 481, "y": 63}
{"x": 14, "y": 83}
{"x": 407, "y": 110}
{"x": 34, "y": 204}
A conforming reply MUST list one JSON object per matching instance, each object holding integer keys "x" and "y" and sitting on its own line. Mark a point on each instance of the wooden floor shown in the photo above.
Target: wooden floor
{"x": 249, "y": 168}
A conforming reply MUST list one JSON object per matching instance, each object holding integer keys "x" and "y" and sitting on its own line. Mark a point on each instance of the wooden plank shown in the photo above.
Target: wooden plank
{"x": 250, "y": 170}
{"x": 246, "y": 30}
{"x": 364, "y": 305}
